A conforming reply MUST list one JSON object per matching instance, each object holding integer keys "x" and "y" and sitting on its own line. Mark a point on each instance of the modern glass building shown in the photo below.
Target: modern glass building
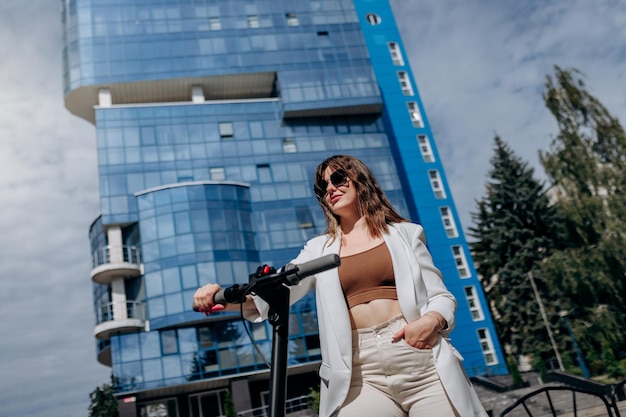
{"x": 210, "y": 118}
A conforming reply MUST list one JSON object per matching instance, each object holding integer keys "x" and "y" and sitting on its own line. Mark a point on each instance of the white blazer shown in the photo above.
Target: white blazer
{"x": 420, "y": 289}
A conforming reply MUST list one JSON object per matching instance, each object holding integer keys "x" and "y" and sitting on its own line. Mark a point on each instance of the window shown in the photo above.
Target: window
{"x": 259, "y": 332}
{"x": 256, "y": 130}
{"x": 414, "y": 113}
{"x": 435, "y": 183}
{"x": 217, "y": 174}
{"x": 486, "y": 345}
{"x": 292, "y": 19}
{"x": 289, "y": 145}
{"x": 226, "y": 130}
{"x": 165, "y": 407}
{"x": 211, "y": 403}
{"x": 207, "y": 357}
{"x": 304, "y": 217}
{"x": 169, "y": 342}
{"x": 197, "y": 94}
{"x": 425, "y": 149}
{"x": 474, "y": 305}
{"x": 460, "y": 261}
{"x": 405, "y": 83}
{"x": 215, "y": 23}
{"x": 205, "y": 337}
{"x": 323, "y": 38}
{"x": 264, "y": 173}
{"x": 373, "y": 19}
{"x": 396, "y": 55}
{"x": 448, "y": 222}
{"x": 253, "y": 21}
{"x": 104, "y": 97}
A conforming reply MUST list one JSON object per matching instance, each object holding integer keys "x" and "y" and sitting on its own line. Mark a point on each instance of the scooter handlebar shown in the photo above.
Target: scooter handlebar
{"x": 291, "y": 274}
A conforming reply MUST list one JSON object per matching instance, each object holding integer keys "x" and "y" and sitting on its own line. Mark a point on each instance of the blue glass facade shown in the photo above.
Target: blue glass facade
{"x": 211, "y": 116}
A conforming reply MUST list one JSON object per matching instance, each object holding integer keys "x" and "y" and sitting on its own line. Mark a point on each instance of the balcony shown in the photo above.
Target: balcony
{"x": 109, "y": 262}
{"x": 118, "y": 317}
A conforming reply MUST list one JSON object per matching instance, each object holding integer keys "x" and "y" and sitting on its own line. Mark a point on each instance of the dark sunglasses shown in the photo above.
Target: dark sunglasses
{"x": 338, "y": 178}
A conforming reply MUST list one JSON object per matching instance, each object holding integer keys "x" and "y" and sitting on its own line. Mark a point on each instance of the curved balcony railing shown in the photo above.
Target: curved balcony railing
{"x": 134, "y": 310}
{"x": 119, "y": 317}
{"x": 102, "y": 255}
{"x": 109, "y": 262}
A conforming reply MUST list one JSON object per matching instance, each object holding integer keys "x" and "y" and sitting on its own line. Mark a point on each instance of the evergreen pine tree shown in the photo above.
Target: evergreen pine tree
{"x": 514, "y": 230}
{"x": 587, "y": 165}
{"x": 103, "y": 403}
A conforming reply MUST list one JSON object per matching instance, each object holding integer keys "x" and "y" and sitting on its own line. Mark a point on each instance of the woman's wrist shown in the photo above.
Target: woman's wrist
{"x": 441, "y": 321}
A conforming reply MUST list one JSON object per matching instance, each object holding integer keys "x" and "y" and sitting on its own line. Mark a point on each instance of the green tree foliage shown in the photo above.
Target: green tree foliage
{"x": 229, "y": 405}
{"x": 586, "y": 163}
{"x": 513, "y": 367}
{"x": 514, "y": 230}
{"x": 103, "y": 403}
{"x": 315, "y": 396}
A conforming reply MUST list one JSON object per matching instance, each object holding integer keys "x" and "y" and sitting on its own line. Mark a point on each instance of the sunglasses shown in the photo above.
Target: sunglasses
{"x": 338, "y": 178}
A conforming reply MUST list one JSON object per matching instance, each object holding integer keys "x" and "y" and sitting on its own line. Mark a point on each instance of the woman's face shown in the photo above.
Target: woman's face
{"x": 340, "y": 194}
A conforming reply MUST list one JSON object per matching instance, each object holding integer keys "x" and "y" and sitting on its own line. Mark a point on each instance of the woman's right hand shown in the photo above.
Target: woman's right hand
{"x": 204, "y": 299}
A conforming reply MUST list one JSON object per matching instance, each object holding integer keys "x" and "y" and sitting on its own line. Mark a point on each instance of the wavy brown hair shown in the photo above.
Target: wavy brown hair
{"x": 371, "y": 200}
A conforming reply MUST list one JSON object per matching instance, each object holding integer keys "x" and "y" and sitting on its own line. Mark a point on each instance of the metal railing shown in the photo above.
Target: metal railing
{"x": 102, "y": 255}
{"x": 292, "y": 405}
{"x": 134, "y": 310}
{"x": 550, "y": 400}
{"x": 618, "y": 393}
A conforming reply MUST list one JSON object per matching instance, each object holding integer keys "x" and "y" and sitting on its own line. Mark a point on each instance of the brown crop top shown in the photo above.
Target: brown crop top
{"x": 367, "y": 276}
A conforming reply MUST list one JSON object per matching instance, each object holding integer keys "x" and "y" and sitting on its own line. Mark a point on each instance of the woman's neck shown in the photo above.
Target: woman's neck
{"x": 355, "y": 231}
{"x": 356, "y": 237}
{"x": 356, "y": 224}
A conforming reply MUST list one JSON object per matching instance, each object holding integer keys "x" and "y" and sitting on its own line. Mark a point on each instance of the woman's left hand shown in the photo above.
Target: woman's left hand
{"x": 421, "y": 333}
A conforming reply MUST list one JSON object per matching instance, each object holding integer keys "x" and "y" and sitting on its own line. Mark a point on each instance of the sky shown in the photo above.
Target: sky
{"x": 480, "y": 68}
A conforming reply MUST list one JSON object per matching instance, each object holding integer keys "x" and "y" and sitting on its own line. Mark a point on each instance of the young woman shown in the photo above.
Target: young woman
{"x": 384, "y": 315}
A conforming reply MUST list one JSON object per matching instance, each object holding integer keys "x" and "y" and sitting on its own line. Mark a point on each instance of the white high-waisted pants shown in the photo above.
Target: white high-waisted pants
{"x": 393, "y": 379}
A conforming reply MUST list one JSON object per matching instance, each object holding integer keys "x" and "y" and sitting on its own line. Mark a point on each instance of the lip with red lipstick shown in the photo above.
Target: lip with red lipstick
{"x": 335, "y": 197}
